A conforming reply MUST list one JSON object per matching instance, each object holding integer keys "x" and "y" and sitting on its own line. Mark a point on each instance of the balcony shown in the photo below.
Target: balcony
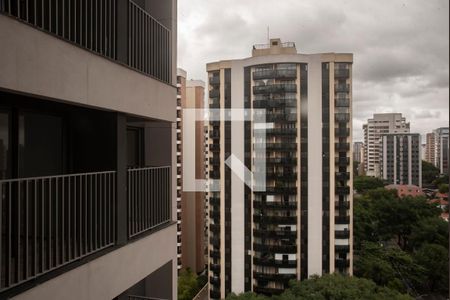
{"x": 214, "y": 174}
{"x": 277, "y": 146}
{"x": 342, "y": 220}
{"x": 275, "y": 219}
{"x": 69, "y": 217}
{"x": 214, "y": 254}
{"x": 279, "y": 160}
{"x": 214, "y": 80}
{"x": 214, "y": 93}
{"x": 342, "y": 132}
{"x": 214, "y": 294}
{"x": 214, "y": 228}
{"x": 342, "y": 263}
{"x": 282, "y": 131}
{"x": 275, "y": 204}
{"x": 342, "y": 176}
{"x": 215, "y": 103}
{"x": 215, "y": 280}
{"x": 275, "y": 88}
{"x": 342, "y": 248}
{"x": 215, "y": 214}
{"x": 342, "y": 117}
{"x": 342, "y": 73}
{"x": 102, "y": 30}
{"x": 280, "y": 189}
{"x": 275, "y": 74}
{"x": 281, "y": 175}
{"x": 280, "y": 117}
{"x": 342, "y": 234}
{"x": 275, "y": 233}
{"x": 342, "y": 190}
{"x": 342, "y": 88}
{"x": 342, "y": 205}
{"x": 342, "y": 102}
{"x": 275, "y": 263}
{"x": 214, "y": 147}
{"x": 214, "y": 201}
{"x": 342, "y": 147}
{"x": 215, "y": 241}
{"x": 342, "y": 161}
{"x": 275, "y": 248}
{"x": 214, "y": 268}
{"x": 214, "y": 134}
{"x": 274, "y": 276}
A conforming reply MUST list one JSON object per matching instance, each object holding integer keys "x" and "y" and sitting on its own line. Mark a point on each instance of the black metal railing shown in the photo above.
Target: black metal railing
{"x": 149, "y": 44}
{"x": 48, "y": 222}
{"x": 280, "y": 73}
{"x": 90, "y": 24}
{"x": 341, "y": 73}
{"x": 342, "y": 117}
{"x": 275, "y": 88}
{"x": 93, "y": 25}
{"x": 149, "y": 199}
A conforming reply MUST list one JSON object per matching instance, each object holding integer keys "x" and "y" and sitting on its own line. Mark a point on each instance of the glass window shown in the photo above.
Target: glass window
{"x": 5, "y": 166}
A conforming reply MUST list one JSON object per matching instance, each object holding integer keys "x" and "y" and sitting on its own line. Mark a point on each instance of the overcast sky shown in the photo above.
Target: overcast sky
{"x": 401, "y": 48}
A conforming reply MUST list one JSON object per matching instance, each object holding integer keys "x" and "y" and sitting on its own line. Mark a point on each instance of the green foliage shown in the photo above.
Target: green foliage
{"x": 429, "y": 173}
{"x": 363, "y": 184}
{"x": 189, "y": 284}
{"x": 246, "y": 296}
{"x": 434, "y": 260}
{"x": 442, "y": 179}
{"x": 391, "y": 238}
{"x": 443, "y": 188}
{"x": 338, "y": 287}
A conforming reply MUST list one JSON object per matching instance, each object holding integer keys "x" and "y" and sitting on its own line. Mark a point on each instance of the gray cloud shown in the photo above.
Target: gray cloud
{"x": 401, "y": 48}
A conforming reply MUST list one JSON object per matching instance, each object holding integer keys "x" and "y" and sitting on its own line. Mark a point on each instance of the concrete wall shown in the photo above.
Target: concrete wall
{"x": 36, "y": 63}
{"x": 108, "y": 276}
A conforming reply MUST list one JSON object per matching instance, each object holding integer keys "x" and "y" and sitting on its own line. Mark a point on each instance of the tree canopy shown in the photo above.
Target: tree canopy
{"x": 399, "y": 241}
{"x": 189, "y": 284}
{"x": 334, "y": 286}
{"x": 429, "y": 173}
{"x": 363, "y": 184}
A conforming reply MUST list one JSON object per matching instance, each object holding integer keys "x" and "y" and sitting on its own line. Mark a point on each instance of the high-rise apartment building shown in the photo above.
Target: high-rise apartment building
{"x": 400, "y": 159}
{"x": 301, "y": 224}
{"x": 190, "y": 205}
{"x": 430, "y": 148}
{"x": 87, "y": 159}
{"x": 439, "y": 148}
{"x": 375, "y": 127}
{"x": 358, "y": 151}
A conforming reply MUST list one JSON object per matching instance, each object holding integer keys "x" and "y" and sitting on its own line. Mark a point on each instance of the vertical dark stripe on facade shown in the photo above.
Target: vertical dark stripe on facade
{"x": 304, "y": 169}
{"x": 214, "y": 198}
{"x": 326, "y": 167}
{"x": 247, "y": 196}
{"x": 227, "y": 184}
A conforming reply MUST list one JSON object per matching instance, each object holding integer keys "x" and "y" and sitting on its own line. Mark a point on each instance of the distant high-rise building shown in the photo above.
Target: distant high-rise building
{"x": 400, "y": 159}
{"x": 441, "y": 148}
{"x": 357, "y": 151}
{"x": 190, "y": 205}
{"x": 373, "y": 129}
{"x": 430, "y": 148}
{"x": 301, "y": 224}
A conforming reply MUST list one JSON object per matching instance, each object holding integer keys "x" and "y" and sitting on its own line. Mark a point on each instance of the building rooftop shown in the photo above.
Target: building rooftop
{"x": 275, "y": 46}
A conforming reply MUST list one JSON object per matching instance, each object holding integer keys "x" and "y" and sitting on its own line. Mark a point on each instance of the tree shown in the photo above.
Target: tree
{"x": 363, "y": 184}
{"x": 443, "y": 188}
{"x": 389, "y": 266}
{"x": 434, "y": 260}
{"x": 429, "y": 173}
{"x": 246, "y": 296}
{"x": 441, "y": 179}
{"x": 400, "y": 243}
{"x": 338, "y": 287}
{"x": 188, "y": 285}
